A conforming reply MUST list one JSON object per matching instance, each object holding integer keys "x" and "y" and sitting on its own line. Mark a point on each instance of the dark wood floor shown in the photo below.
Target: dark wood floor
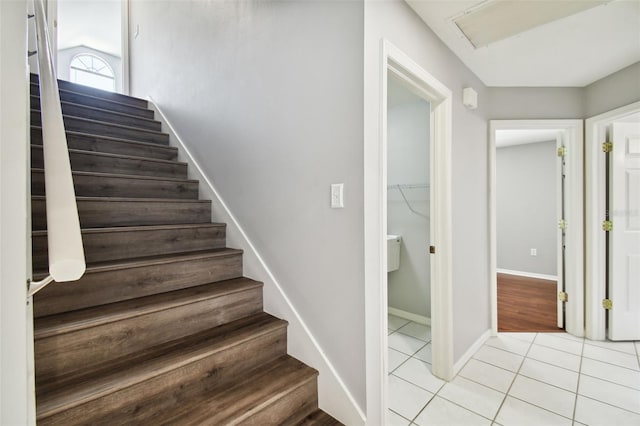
{"x": 526, "y": 304}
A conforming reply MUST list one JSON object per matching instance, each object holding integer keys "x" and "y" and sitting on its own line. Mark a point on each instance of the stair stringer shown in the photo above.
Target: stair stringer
{"x": 333, "y": 395}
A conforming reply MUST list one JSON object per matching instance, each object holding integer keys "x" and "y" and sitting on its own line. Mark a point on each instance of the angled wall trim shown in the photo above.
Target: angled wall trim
{"x": 334, "y": 397}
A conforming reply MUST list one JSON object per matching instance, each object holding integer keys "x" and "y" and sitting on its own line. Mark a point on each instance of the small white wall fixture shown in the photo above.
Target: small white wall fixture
{"x": 574, "y": 274}
{"x": 595, "y": 239}
{"x": 395, "y": 62}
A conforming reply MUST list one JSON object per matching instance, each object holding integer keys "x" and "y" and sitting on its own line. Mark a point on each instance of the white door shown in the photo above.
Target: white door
{"x": 624, "y": 237}
{"x": 560, "y": 235}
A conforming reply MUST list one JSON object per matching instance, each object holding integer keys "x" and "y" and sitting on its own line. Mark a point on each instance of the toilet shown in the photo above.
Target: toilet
{"x": 393, "y": 252}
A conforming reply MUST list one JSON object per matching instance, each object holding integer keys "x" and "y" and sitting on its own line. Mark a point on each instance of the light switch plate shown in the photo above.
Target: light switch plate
{"x": 337, "y": 195}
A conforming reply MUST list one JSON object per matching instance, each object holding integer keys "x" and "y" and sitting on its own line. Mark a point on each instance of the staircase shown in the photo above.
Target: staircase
{"x": 162, "y": 328}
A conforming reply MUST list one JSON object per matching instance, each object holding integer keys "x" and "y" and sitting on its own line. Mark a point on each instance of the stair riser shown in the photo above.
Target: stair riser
{"x": 166, "y": 391}
{"x": 76, "y": 110}
{"x": 105, "y": 213}
{"x": 78, "y": 98}
{"x": 96, "y": 288}
{"x": 126, "y": 244}
{"x": 76, "y": 124}
{"x": 117, "y": 186}
{"x": 290, "y": 409}
{"x": 111, "y": 146}
{"x": 78, "y": 88}
{"x": 89, "y": 162}
{"x": 86, "y": 349}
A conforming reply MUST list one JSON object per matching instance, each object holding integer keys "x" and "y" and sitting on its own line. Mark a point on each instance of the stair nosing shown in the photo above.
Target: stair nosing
{"x": 137, "y": 262}
{"x": 37, "y": 83}
{"x": 118, "y": 113}
{"x": 130, "y": 199}
{"x": 115, "y": 139}
{"x": 122, "y": 176}
{"x": 156, "y": 366}
{"x": 145, "y": 305}
{"x": 75, "y": 117}
{"x": 304, "y": 376}
{"x": 111, "y": 155}
{"x": 141, "y": 228}
{"x": 97, "y": 98}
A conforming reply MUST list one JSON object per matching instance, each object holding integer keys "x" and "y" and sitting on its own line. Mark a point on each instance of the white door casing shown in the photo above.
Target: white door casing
{"x": 560, "y": 234}
{"x": 439, "y": 96}
{"x": 595, "y": 190}
{"x": 624, "y": 237}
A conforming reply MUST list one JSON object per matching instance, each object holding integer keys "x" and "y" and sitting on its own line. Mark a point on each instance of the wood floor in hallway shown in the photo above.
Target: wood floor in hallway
{"x": 526, "y": 304}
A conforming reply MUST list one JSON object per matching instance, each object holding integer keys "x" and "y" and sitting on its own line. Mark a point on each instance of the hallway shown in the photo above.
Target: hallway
{"x": 515, "y": 379}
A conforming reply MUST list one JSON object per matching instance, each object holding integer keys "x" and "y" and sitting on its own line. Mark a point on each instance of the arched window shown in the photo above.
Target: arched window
{"x": 93, "y": 71}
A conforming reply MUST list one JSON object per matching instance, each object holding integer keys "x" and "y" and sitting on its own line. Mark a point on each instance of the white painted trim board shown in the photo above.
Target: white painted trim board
{"x": 527, "y": 274}
{"x": 595, "y": 134}
{"x": 471, "y": 351}
{"x": 420, "y": 319}
{"x": 334, "y": 397}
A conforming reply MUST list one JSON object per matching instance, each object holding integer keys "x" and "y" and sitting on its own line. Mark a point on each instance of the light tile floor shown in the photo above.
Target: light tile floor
{"x": 515, "y": 379}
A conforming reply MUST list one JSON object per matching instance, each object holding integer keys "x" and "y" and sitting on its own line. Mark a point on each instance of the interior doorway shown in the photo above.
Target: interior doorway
{"x": 91, "y": 42}
{"x": 540, "y": 230}
{"x": 397, "y": 64}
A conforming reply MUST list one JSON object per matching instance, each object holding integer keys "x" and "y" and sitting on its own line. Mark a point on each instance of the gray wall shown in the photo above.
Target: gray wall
{"x": 268, "y": 96}
{"x": 536, "y": 103}
{"x": 408, "y": 163}
{"x": 518, "y": 103}
{"x": 398, "y": 23}
{"x": 616, "y": 90}
{"x": 526, "y": 207}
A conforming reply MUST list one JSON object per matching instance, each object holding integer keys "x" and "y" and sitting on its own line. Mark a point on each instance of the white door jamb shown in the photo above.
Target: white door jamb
{"x": 595, "y": 192}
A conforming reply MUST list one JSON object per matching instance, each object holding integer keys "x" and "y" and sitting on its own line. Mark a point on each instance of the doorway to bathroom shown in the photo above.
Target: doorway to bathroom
{"x": 408, "y": 240}
{"x": 408, "y": 213}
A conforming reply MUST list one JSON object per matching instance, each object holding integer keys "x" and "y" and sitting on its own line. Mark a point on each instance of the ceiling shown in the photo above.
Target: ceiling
{"x": 573, "y": 51}
{"x": 94, "y": 23}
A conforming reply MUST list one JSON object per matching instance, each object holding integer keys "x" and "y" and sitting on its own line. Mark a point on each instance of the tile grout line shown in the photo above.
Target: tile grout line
{"x": 506, "y": 394}
{"x": 575, "y": 401}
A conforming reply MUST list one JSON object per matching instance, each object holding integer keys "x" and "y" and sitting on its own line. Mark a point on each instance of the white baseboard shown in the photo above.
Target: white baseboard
{"x": 527, "y": 274}
{"x": 333, "y": 395}
{"x": 420, "y": 319}
{"x": 469, "y": 353}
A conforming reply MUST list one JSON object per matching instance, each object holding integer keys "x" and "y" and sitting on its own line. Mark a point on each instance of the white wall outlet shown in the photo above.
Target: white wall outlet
{"x": 337, "y": 195}
{"x": 534, "y": 252}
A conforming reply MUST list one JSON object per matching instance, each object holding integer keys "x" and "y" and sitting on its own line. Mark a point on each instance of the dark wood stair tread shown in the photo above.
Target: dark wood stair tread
{"x": 89, "y": 120}
{"x": 258, "y": 391}
{"x": 110, "y": 155}
{"x": 70, "y": 392}
{"x": 103, "y": 94}
{"x": 318, "y": 418}
{"x": 108, "y": 103}
{"x": 123, "y": 176}
{"x": 114, "y": 114}
{"x": 91, "y": 317}
{"x": 99, "y": 184}
{"x": 94, "y": 161}
{"x": 141, "y": 228}
{"x": 149, "y": 261}
{"x": 155, "y": 146}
